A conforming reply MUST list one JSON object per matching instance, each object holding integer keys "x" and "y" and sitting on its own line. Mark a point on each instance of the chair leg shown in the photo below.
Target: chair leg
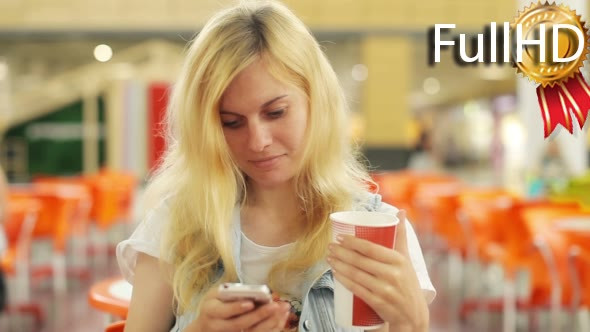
{"x": 533, "y": 320}
{"x": 22, "y": 281}
{"x": 475, "y": 282}
{"x": 509, "y": 310}
{"x": 455, "y": 282}
{"x": 584, "y": 320}
{"x": 576, "y": 286}
{"x": 103, "y": 247}
{"x": 59, "y": 273}
{"x": 80, "y": 250}
{"x": 555, "y": 307}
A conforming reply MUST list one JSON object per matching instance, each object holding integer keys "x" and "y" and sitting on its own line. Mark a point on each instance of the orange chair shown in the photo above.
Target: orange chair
{"x": 575, "y": 229}
{"x": 108, "y": 209}
{"x": 116, "y": 327}
{"x": 580, "y": 259}
{"x": 400, "y": 189}
{"x": 21, "y": 216}
{"x": 64, "y": 212}
{"x": 539, "y": 220}
{"x": 435, "y": 206}
{"x": 394, "y": 188}
{"x": 555, "y": 288}
{"x": 483, "y": 214}
{"x": 526, "y": 228}
{"x": 460, "y": 215}
{"x": 105, "y": 200}
{"x": 125, "y": 184}
{"x": 75, "y": 215}
{"x": 111, "y": 199}
{"x": 72, "y": 224}
{"x": 106, "y": 192}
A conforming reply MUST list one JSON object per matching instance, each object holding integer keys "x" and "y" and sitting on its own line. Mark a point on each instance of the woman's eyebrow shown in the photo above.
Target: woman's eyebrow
{"x": 272, "y": 101}
{"x": 265, "y": 104}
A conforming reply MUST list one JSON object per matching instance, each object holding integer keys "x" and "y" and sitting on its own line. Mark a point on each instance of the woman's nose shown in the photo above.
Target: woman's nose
{"x": 259, "y": 137}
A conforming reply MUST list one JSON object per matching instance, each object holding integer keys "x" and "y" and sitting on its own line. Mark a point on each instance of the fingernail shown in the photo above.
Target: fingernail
{"x": 247, "y": 305}
{"x": 330, "y": 246}
{"x": 339, "y": 238}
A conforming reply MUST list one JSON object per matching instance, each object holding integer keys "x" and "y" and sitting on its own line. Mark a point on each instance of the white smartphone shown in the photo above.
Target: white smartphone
{"x": 259, "y": 294}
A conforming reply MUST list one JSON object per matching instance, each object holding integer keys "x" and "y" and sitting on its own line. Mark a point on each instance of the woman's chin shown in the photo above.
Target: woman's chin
{"x": 271, "y": 182}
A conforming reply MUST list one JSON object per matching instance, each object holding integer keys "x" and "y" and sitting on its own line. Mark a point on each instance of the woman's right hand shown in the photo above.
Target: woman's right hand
{"x": 238, "y": 316}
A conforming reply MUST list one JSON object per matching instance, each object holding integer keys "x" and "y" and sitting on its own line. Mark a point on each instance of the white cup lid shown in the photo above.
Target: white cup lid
{"x": 365, "y": 218}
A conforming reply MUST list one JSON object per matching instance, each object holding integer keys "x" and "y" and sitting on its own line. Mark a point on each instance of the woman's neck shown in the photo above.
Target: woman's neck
{"x": 272, "y": 215}
{"x": 278, "y": 198}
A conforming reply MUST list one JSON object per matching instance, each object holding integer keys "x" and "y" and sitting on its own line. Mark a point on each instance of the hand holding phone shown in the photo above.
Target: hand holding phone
{"x": 259, "y": 294}
{"x": 236, "y": 307}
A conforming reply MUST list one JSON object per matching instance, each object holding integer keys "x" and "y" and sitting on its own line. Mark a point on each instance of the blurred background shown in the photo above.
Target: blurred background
{"x": 83, "y": 89}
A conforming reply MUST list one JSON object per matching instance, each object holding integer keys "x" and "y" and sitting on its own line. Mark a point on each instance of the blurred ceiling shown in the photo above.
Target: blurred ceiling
{"x": 457, "y": 83}
{"x": 33, "y": 60}
{"x": 49, "y": 76}
{"x": 41, "y": 38}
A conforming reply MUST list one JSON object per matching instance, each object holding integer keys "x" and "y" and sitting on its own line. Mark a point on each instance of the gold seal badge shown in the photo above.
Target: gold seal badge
{"x": 548, "y": 73}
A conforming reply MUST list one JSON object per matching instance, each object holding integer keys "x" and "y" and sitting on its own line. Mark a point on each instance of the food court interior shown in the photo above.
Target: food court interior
{"x": 500, "y": 211}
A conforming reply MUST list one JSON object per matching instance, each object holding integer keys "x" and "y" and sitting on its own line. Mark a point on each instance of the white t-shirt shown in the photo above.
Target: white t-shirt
{"x": 257, "y": 261}
{"x": 146, "y": 238}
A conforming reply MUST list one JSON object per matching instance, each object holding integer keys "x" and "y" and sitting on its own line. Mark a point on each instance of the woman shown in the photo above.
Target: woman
{"x": 256, "y": 161}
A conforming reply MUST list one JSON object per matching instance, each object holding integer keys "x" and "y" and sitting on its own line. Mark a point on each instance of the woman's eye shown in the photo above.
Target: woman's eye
{"x": 276, "y": 114}
{"x": 231, "y": 124}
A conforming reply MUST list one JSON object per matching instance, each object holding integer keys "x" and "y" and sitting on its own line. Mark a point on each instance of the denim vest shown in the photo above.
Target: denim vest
{"x": 317, "y": 312}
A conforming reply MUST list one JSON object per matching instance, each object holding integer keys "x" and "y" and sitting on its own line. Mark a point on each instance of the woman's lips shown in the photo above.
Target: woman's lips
{"x": 266, "y": 163}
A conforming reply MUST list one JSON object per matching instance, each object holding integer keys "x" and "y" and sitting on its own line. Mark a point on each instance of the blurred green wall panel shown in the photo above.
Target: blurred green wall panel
{"x": 50, "y": 145}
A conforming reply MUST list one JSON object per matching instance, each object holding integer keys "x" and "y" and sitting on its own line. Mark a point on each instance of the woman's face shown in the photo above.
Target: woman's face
{"x": 264, "y": 122}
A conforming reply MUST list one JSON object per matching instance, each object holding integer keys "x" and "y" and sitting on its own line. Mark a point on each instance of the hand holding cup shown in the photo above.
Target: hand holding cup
{"x": 382, "y": 278}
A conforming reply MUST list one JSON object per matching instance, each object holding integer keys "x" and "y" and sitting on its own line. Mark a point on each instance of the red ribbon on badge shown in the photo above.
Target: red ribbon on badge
{"x": 558, "y": 101}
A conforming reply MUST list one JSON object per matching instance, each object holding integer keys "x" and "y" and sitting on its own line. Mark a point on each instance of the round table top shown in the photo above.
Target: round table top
{"x": 111, "y": 296}
{"x": 121, "y": 289}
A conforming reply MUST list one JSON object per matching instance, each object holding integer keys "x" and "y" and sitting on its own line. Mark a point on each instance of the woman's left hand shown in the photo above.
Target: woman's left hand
{"x": 385, "y": 279}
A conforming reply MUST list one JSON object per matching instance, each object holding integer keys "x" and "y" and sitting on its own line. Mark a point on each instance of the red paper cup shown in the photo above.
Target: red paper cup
{"x": 349, "y": 310}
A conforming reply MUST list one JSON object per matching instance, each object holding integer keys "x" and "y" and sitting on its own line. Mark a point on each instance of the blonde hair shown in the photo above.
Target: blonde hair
{"x": 198, "y": 172}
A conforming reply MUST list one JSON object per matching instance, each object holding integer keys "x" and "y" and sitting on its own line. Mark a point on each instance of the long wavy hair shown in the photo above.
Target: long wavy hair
{"x": 202, "y": 182}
